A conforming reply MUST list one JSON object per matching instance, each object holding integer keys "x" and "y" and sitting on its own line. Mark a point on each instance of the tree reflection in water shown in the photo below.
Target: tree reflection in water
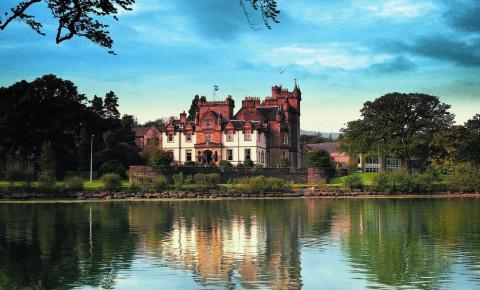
{"x": 238, "y": 243}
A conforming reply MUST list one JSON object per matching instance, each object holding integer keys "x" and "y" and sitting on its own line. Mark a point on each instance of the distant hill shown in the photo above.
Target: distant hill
{"x": 332, "y": 135}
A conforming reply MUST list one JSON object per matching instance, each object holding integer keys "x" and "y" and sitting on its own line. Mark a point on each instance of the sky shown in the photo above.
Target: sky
{"x": 342, "y": 53}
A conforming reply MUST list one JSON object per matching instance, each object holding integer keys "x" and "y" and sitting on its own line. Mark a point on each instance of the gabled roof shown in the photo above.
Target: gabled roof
{"x": 140, "y": 131}
{"x": 270, "y": 113}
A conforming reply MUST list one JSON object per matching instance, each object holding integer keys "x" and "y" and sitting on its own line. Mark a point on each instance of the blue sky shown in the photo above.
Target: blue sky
{"x": 342, "y": 52}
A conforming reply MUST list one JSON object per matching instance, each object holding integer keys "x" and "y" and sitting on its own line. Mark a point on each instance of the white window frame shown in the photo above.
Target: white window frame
{"x": 249, "y": 154}
{"x": 247, "y": 136}
{"x": 229, "y": 154}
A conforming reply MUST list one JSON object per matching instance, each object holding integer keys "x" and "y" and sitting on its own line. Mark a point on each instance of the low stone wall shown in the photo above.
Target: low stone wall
{"x": 297, "y": 175}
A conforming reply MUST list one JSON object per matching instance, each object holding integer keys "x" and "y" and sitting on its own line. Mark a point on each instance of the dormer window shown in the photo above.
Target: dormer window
{"x": 247, "y": 136}
{"x": 229, "y": 136}
{"x": 170, "y": 137}
{"x": 188, "y": 137}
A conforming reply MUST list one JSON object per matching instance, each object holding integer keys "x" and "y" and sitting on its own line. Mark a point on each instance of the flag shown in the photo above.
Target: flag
{"x": 215, "y": 88}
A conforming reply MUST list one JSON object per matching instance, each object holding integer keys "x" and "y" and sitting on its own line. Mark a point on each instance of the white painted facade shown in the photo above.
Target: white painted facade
{"x": 237, "y": 148}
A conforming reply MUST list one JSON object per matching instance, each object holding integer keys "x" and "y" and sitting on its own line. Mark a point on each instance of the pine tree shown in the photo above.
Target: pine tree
{"x": 110, "y": 106}
{"x": 193, "y": 108}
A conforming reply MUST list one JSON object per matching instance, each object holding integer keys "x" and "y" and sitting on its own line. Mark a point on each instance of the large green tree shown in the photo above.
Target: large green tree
{"x": 50, "y": 110}
{"x": 402, "y": 125}
{"x": 469, "y": 145}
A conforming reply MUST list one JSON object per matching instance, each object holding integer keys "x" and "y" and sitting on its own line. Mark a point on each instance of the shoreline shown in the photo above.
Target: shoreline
{"x": 81, "y": 197}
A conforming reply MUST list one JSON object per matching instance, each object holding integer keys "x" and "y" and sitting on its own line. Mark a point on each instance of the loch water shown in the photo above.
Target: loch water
{"x": 414, "y": 243}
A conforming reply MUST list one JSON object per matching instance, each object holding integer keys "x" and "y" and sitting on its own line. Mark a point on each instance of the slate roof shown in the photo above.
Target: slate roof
{"x": 330, "y": 147}
{"x": 270, "y": 113}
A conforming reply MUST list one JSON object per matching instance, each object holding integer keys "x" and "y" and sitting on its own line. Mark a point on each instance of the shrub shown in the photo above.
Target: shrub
{"x": 113, "y": 166}
{"x": 178, "y": 181}
{"x": 16, "y": 173}
{"x": 352, "y": 181}
{"x": 284, "y": 163}
{"x": 248, "y": 163}
{"x": 74, "y": 183}
{"x": 190, "y": 163}
{"x": 382, "y": 183}
{"x": 112, "y": 181}
{"x": 262, "y": 184}
{"x": 207, "y": 181}
{"x": 144, "y": 183}
{"x": 403, "y": 182}
{"x": 46, "y": 183}
{"x": 159, "y": 158}
{"x": 160, "y": 182}
{"x": 318, "y": 158}
{"x": 225, "y": 163}
{"x": 465, "y": 177}
{"x": 259, "y": 165}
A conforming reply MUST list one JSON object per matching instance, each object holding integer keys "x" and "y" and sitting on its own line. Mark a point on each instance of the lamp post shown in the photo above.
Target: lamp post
{"x": 91, "y": 157}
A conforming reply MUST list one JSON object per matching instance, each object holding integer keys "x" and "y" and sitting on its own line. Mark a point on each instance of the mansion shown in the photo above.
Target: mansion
{"x": 264, "y": 131}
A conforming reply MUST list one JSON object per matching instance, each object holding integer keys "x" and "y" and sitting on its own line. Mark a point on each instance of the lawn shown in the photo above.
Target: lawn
{"x": 367, "y": 178}
{"x": 95, "y": 185}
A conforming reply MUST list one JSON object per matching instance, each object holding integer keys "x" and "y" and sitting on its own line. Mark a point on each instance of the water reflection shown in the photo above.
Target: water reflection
{"x": 394, "y": 243}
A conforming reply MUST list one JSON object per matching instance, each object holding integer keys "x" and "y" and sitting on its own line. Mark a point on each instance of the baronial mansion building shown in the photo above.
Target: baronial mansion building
{"x": 264, "y": 131}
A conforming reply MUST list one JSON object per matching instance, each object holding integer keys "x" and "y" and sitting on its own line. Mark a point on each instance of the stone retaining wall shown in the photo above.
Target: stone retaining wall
{"x": 297, "y": 175}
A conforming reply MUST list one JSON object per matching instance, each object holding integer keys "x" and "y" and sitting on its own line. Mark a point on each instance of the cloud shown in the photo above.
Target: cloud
{"x": 461, "y": 52}
{"x": 314, "y": 58}
{"x": 400, "y": 9}
{"x": 465, "y": 17}
{"x": 220, "y": 20}
{"x": 397, "y": 64}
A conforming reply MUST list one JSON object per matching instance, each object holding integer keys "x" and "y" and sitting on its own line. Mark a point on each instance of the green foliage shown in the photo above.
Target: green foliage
{"x": 159, "y": 158}
{"x": 206, "y": 181}
{"x": 382, "y": 183}
{"x": 262, "y": 184}
{"x": 46, "y": 183}
{"x": 17, "y": 173}
{"x": 312, "y": 139}
{"x": 353, "y": 181}
{"x": 248, "y": 163}
{"x": 284, "y": 163}
{"x": 190, "y": 163}
{"x": 465, "y": 177}
{"x": 318, "y": 158}
{"x": 418, "y": 117}
{"x": 74, "y": 183}
{"x": 112, "y": 166}
{"x": 225, "y": 164}
{"x": 468, "y": 149}
{"x": 112, "y": 181}
{"x": 47, "y": 161}
{"x": 178, "y": 181}
{"x": 160, "y": 182}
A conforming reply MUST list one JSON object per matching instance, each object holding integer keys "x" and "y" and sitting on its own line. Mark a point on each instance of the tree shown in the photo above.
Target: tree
{"x": 159, "y": 158}
{"x": 82, "y": 17}
{"x": 47, "y": 161}
{"x": 402, "y": 125}
{"x": 318, "y": 158}
{"x": 193, "y": 108}
{"x": 468, "y": 147}
{"x": 96, "y": 105}
{"x": 110, "y": 106}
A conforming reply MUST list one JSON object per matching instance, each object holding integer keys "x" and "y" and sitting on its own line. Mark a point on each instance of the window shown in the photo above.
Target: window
{"x": 153, "y": 141}
{"x": 247, "y": 136}
{"x": 392, "y": 164}
{"x": 285, "y": 139}
{"x": 262, "y": 157}
{"x": 189, "y": 155}
{"x": 247, "y": 154}
{"x": 372, "y": 164}
{"x": 229, "y": 154}
{"x": 171, "y": 153}
{"x": 188, "y": 137}
{"x": 170, "y": 137}
{"x": 208, "y": 123}
{"x": 229, "y": 136}
{"x": 284, "y": 155}
{"x": 208, "y": 137}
